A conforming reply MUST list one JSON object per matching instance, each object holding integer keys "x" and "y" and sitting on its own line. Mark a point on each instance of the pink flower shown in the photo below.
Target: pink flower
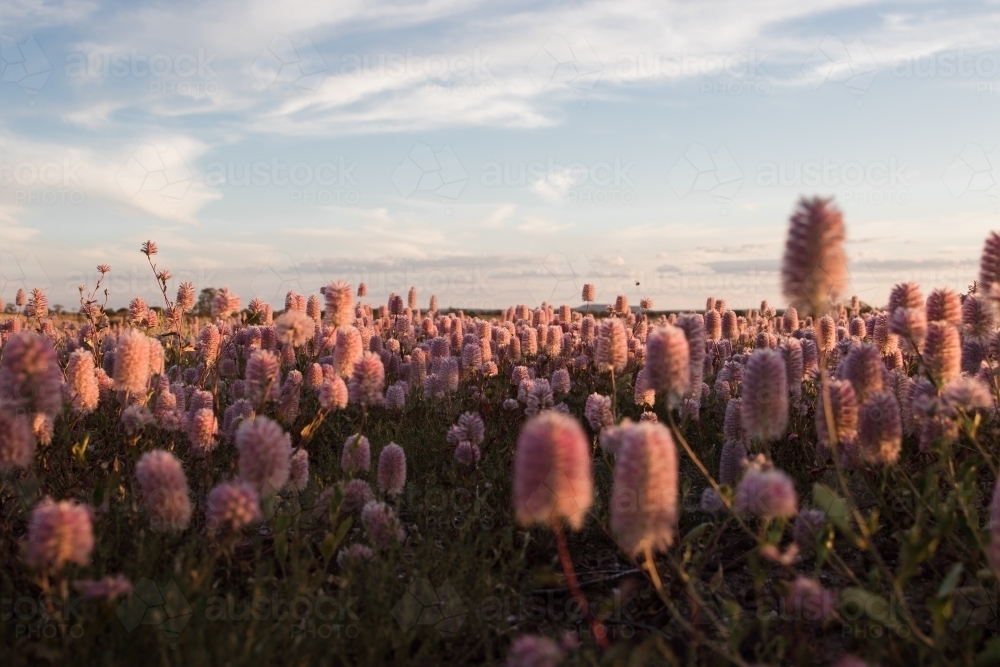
{"x": 132, "y": 363}
{"x": 667, "y": 362}
{"x": 265, "y": 453}
{"x": 107, "y": 588}
{"x": 598, "y": 412}
{"x": 81, "y": 382}
{"x": 59, "y": 533}
{"x": 185, "y": 296}
{"x": 30, "y": 379}
{"x": 340, "y": 303}
{"x": 262, "y": 376}
{"x": 942, "y": 351}
{"x": 766, "y": 493}
{"x": 611, "y": 351}
{"x": 644, "y": 494}
{"x": 807, "y": 600}
{"x": 367, "y": 380}
{"x": 348, "y": 351}
{"x": 164, "y": 490}
{"x": 357, "y": 493}
{"x": 298, "y": 477}
{"x": 202, "y": 431}
{"x": 356, "y": 454}
{"x": 392, "y": 469}
{"x": 353, "y": 555}
{"x": 844, "y": 405}
{"x": 765, "y": 395}
{"x": 17, "y": 442}
{"x": 381, "y": 524}
{"x": 552, "y": 471}
{"x": 231, "y": 506}
{"x": 467, "y": 453}
{"x": 135, "y": 418}
{"x": 814, "y": 267}
{"x": 534, "y": 651}
{"x": 295, "y": 328}
{"x": 333, "y": 394}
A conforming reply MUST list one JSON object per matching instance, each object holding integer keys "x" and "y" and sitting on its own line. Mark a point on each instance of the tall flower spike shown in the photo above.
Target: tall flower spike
{"x": 164, "y": 491}
{"x": 766, "y": 493}
{"x": 367, "y": 381}
{"x": 356, "y": 455}
{"x": 231, "y": 507}
{"x": 644, "y": 493}
{"x": 765, "y": 395}
{"x": 552, "y": 471}
{"x": 880, "y": 430}
{"x": 30, "y": 379}
{"x": 667, "y": 362}
{"x": 17, "y": 442}
{"x": 339, "y": 304}
{"x": 59, "y": 533}
{"x": 265, "y": 452}
{"x": 989, "y": 265}
{"x": 844, "y": 404}
{"x": 392, "y": 469}
{"x": 942, "y": 352}
{"x": 814, "y": 267}
{"x": 81, "y": 382}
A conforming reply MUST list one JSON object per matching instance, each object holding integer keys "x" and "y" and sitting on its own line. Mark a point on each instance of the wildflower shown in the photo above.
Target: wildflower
{"x": 298, "y": 476}
{"x": 644, "y": 494}
{"x": 231, "y": 507}
{"x": 766, "y": 493}
{"x": 295, "y": 328}
{"x": 81, "y": 382}
{"x": 392, "y": 469}
{"x": 814, "y": 267}
{"x": 164, "y": 490}
{"x": 552, "y": 476}
{"x": 333, "y": 394}
{"x": 667, "y": 361}
{"x": 17, "y": 442}
{"x": 59, "y": 533}
{"x": 30, "y": 379}
{"x": 107, "y": 588}
{"x": 356, "y": 454}
{"x": 340, "y": 304}
{"x": 381, "y": 524}
{"x": 367, "y": 380}
{"x": 264, "y": 454}
{"x": 765, "y": 395}
{"x": 598, "y": 412}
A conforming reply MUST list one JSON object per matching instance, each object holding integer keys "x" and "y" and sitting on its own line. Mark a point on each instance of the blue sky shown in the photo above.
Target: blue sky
{"x": 492, "y": 153}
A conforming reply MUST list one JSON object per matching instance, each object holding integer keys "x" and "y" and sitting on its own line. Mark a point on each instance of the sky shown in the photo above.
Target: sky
{"x": 492, "y": 153}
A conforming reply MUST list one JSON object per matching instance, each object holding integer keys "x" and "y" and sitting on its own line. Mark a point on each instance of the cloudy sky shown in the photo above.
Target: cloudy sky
{"x": 492, "y": 153}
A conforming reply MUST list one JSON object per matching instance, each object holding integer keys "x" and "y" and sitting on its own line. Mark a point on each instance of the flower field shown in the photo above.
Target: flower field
{"x": 341, "y": 482}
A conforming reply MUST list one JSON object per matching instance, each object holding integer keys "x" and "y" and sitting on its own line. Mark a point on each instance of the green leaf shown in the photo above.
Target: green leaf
{"x": 281, "y": 537}
{"x": 695, "y": 533}
{"x": 328, "y": 547}
{"x": 335, "y": 499}
{"x": 950, "y": 581}
{"x": 857, "y": 602}
{"x": 836, "y": 508}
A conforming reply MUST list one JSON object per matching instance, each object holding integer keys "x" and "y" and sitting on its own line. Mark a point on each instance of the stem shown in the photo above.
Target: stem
{"x": 596, "y": 627}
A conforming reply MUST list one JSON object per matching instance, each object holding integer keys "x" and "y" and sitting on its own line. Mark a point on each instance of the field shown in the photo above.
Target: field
{"x": 211, "y": 482}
